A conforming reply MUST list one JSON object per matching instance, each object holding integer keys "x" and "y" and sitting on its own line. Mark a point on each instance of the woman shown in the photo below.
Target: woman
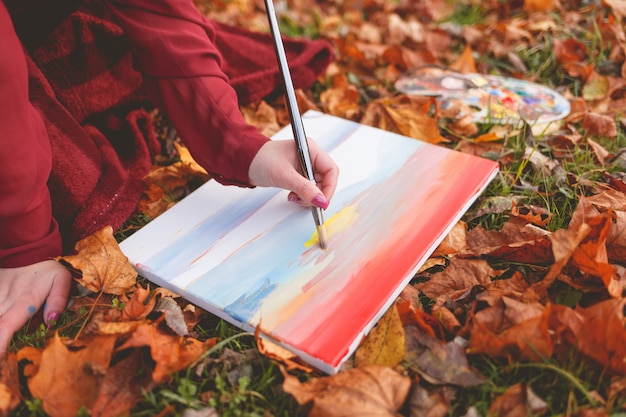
{"x": 49, "y": 128}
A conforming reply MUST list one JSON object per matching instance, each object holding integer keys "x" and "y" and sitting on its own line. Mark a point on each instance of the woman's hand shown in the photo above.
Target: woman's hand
{"x": 277, "y": 165}
{"x": 25, "y": 289}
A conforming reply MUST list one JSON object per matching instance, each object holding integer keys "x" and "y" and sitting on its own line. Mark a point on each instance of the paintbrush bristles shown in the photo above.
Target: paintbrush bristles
{"x": 321, "y": 236}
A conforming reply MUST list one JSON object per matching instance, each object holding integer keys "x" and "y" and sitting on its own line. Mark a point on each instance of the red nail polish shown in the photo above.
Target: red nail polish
{"x": 320, "y": 201}
{"x": 53, "y": 317}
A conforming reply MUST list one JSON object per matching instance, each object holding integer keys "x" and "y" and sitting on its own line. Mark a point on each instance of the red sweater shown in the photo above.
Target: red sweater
{"x": 174, "y": 49}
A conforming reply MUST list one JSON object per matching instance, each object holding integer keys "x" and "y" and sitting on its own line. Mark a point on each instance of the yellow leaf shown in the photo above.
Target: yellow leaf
{"x": 103, "y": 265}
{"x": 596, "y": 87}
{"x": 384, "y": 345}
{"x": 187, "y": 159}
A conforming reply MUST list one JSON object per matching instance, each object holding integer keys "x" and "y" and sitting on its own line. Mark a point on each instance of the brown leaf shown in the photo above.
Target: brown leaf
{"x": 465, "y": 63}
{"x": 528, "y": 339}
{"x": 123, "y": 385}
{"x": 431, "y": 401}
{"x": 540, "y": 5}
{"x": 596, "y": 87}
{"x": 515, "y": 242}
{"x": 174, "y": 317}
{"x": 604, "y": 338}
{"x": 600, "y": 125}
{"x": 405, "y": 115}
{"x": 616, "y": 239}
{"x": 570, "y": 51}
{"x": 384, "y": 345}
{"x": 454, "y": 242}
{"x": 103, "y": 265}
{"x": 187, "y": 160}
{"x": 69, "y": 376}
{"x": 618, "y": 7}
{"x": 459, "y": 276}
{"x": 367, "y": 391}
{"x": 286, "y": 358}
{"x": 591, "y": 256}
{"x": 439, "y": 362}
{"x": 601, "y": 153}
{"x": 517, "y": 401}
{"x": 139, "y": 306}
{"x": 342, "y": 99}
{"x": 411, "y": 315}
{"x": 263, "y": 116}
{"x": 538, "y": 216}
{"x": 9, "y": 384}
{"x": 564, "y": 244}
{"x": 170, "y": 353}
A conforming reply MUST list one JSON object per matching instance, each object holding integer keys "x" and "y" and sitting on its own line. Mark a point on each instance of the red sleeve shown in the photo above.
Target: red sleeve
{"x": 173, "y": 47}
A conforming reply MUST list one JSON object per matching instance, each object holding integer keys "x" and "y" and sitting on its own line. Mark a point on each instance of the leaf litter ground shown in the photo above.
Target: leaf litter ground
{"x": 520, "y": 311}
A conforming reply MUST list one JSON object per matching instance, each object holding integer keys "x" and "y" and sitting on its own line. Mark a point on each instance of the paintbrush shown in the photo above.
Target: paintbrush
{"x": 294, "y": 114}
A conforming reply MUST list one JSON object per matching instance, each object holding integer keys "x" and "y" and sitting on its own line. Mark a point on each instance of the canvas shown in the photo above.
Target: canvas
{"x": 251, "y": 257}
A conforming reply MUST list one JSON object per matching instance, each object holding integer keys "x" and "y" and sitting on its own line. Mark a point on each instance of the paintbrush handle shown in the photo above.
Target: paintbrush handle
{"x": 292, "y": 102}
{"x": 294, "y": 113}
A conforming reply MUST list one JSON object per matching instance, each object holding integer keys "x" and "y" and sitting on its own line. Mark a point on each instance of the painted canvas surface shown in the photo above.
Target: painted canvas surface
{"x": 252, "y": 258}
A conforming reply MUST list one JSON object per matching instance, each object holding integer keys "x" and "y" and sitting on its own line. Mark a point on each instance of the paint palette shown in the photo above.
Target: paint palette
{"x": 252, "y": 258}
{"x": 494, "y": 99}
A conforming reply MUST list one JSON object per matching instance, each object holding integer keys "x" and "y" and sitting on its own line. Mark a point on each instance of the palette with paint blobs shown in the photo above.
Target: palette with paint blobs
{"x": 493, "y": 98}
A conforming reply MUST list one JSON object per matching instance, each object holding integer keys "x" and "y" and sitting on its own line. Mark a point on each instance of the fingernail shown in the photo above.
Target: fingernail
{"x": 294, "y": 199}
{"x": 320, "y": 201}
{"x": 53, "y": 317}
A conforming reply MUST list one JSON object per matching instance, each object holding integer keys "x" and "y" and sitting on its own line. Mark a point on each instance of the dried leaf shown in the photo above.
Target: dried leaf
{"x": 605, "y": 335}
{"x": 174, "y": 317}
{"x": 618, "y": 7}
{"x": 529, "y": 339}
{"x": 540, "y": 5}
{"x": 460, "y": 276}
{"x": 170, "y": 353}
{"x": 139, "y": 306}
{"x": 263, "y": 116}
{"x": 404, "y": 115}
{"x": 596, "y": 87}
{"x": 532, "y": 214}
{"x": 431, "y": 401}
{"x": 439, "y": 362}
{"x": 288, "y": 359}
{"x": 69, "y": 376}
{"x": 103, "y": 265}
{"x": 367, "y": 391}
{"x": 454, "y": 242}
{"x": 123, "y": 385}
{"x": 517, "y": 401}
{"x": 187, "y": 159}
{"x": 9, "y": 383}
{"x": 600, "y": 125}
{"x": 601, "y": 153}
{"x": 384, "y": 345}
{"x": 465, "y": 63}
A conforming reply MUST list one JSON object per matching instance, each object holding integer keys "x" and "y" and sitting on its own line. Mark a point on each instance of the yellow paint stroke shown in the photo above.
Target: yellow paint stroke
{"x": 339, "y": 222}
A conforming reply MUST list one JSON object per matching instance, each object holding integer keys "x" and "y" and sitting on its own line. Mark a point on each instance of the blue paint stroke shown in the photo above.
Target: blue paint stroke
{"x": 199, "y": 239}
{"x": 274, "y": 258}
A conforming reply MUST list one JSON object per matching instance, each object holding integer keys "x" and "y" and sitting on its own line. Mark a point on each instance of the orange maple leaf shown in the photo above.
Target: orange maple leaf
{"x": 68, "y": 376}
{"x": 103, "y": 266}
